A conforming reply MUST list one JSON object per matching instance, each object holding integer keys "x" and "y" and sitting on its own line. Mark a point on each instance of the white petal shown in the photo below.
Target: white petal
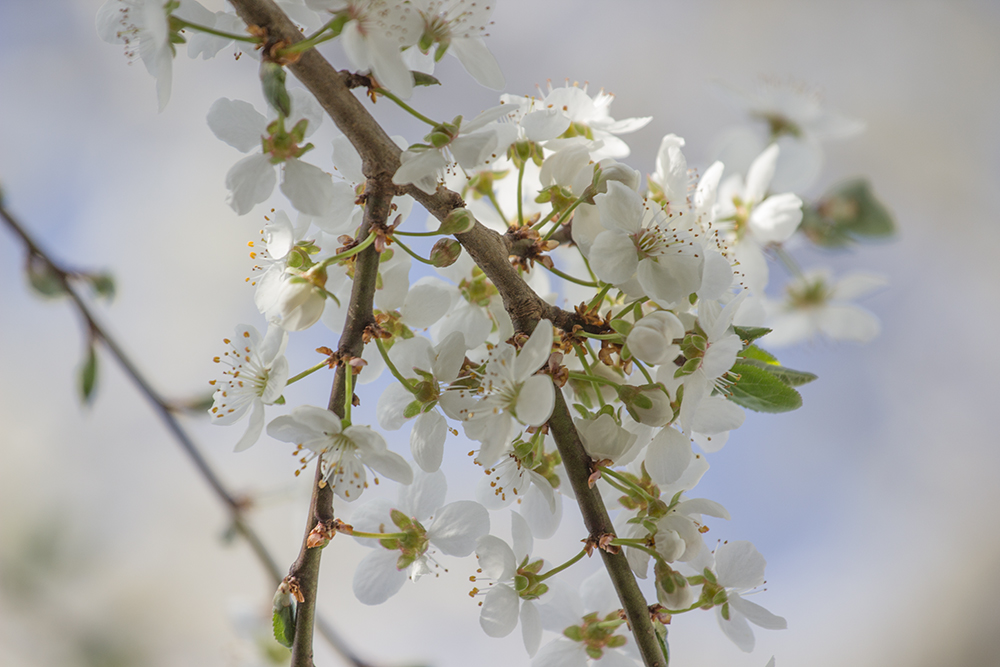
{"x": 561, "y": 653}
{"x": 427, "y": 440}
{"x": 668, "y": 456}
{"x": 760, "y": 174}
{"x": 377, "y": 579}
{"x": 457, "y": 526}
{"x": 737, "y": 629}
{"x": 254, "y": 428}
{"x": 391, "y": 405}
{"x": 250, "y": 181}
{"x": 756, "y": 614}
{"x": 388, "y": 66}
{"x": 542, "y": 511}
{"x": 478, "y": 61}
{"x": 739, "y": 565}
{"x": 848, "y": 322}
{"x": 613, "y": 257}
{"x": 521, "y": 537}
{"x": 536, "y": 400}
{"x": 670, "y": 278}
{"x": 309, "y": 188}
{"x": 425, "y": 304}
{"x": 237, "y": 123}
{"x": 856, "y": 285}
{"x": 545, "y": 124}
{"x": 535, "y": 352}
{"x": 621, "y": 208}
{"x": 425, "y": 495}
{"x": 531, "y": 627}
{"x": 702, "y": 506}
{"x": 496, "y": 559}
{"x": 390, "y": 464}
{"x": 776, "y": 219}
{"x": 498, "y": 617}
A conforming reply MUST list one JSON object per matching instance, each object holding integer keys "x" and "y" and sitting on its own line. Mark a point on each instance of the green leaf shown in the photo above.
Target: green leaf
{"x": 789, "y": 376}
{"x": 88, "y": 374}
{"x": 43, "y": 278}
{"x": 759, "y": 390}
{"x": 272, "y": 78}
{"x": 422, "y": 79}
{"x": 283, "y": 624}
{"x": 848, "y": 213}
{"x": 103, "y": 284}
{"x": 750, "y": 334}
{"x": 754, "y": 352}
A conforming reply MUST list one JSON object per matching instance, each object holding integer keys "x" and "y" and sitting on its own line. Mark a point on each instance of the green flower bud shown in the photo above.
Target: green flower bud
{"x": 445, "y": 252}
{"x": 459, "y": 220}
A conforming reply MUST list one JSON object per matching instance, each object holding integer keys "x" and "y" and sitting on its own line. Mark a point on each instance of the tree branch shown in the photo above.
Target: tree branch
{"x": 490, "y": 251}
{"x": 234, "y": 504}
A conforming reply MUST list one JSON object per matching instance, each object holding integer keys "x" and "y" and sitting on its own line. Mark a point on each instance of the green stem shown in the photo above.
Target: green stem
{"x": 787, "y": 260}
{"x": 566, "y": 276}
{"x": 307, "y": 372}
{"x": 596, "y": 301}
{"x": 402, "y": 233}
{"x": 594, "y": 380}
{"x": 312, "y": 40}
{"x": 350, "y": 253}
{"x": 627, "y": 482}
{"x": 641, "y": 547}
{"x": 577, "y": 375}
{"x": 406, "y": 107}
{"x": 610, "y": 336}
{"x": 181, "y": 23}
{"x": 492, "y": 196}
{"x": 520, "y": 204}
{"x": 348, "y": 392}
{"x": 392, "y": 367}
{"x": 616, "y": 485}
{"x": 410, "y": 252}
{"x": 638, "y": 364}
{"x": 556, "y": 570}
{"x": 562, "y": 217}
{"x": 377, "y": 536}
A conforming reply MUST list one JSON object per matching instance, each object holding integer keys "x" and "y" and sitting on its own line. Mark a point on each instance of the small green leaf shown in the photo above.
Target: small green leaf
{"x": 103, "y": 284}
{"x": 754, "y": 352}
{"x": 272, "y": 79}
{"x": 849, "y": 212}
{"x": 283, "y": 624}
{"x": 43, "y": 278}
{"x": 789, "y": 376}
{"x": 412, "y": 409}
{"x": 750, "y": 334}
{"x": 759, "y": 390}
{"x": 422, "y": 79}
{"x": 88, "y": 374}
{"x": 623, "y": 327}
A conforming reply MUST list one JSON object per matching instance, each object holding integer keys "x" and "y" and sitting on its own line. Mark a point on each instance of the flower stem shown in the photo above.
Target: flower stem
{"x": 596, "y": 301}
{"x": 350, "y": 253}
{"x": 566, "y": 276}
{"x": 307, "y": 372}
{"x": 376, "y": 536}
{"x": 560, "y": 568}
{"x": 520, "y": 203}
{"x": 594, "y": 380}
{"x": 562, "y": 217}
{"x": 410, "y": 252}
{"x": 492, "y": 196}
{"x": 577, "y": 375}
{"x": 638, "y": 364}
{"x": 181, "y": 23}
{"x": 392, "y": 367}
{"x": 348, "y": 392}
{"x": 787, "y": 260}
{"x": 402, "y": 233}
{"x": 406, "y": 107}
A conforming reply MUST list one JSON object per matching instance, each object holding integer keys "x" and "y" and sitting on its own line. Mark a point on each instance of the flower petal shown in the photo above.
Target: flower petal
{"x": 457, "y": 526}
{"x": 377, "y": 579}
{"x": 499, "y": 614}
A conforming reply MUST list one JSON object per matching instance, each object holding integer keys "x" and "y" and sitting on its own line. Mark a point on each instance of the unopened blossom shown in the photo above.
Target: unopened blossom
{"x": 817, "y": 305}
{"x": 252, "y": 179}
{"x": 344, "y": 453}
{"x": 452, "y": 529}
{"x": 652, "y": 338}
{"x": 604, "y": 439}
{"x": 254, "y": 375}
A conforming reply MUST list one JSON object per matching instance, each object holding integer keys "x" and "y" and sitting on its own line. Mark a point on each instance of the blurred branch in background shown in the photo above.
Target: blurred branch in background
{"x": 53, "y": 280}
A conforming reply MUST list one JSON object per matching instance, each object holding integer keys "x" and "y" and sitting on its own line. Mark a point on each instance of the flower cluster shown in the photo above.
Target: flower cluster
{"x": 655, "y": 305}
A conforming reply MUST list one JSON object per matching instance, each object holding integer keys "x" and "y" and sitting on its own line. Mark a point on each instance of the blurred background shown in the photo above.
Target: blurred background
{"x": 876, "y": 504}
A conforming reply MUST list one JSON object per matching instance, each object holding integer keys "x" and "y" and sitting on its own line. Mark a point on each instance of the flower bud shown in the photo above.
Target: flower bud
{"x": 445, "y": 252}
{"x": 272, "y": 79}
{"x": 651, "y": 340}
{"x": 460, "y": 220}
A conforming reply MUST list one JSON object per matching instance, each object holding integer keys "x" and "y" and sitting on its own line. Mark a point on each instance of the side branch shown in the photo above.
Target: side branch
{"x": 359, "y": 315}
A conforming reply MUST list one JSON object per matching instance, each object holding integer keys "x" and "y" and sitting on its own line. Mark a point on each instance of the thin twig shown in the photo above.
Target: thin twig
{"x": 162, "y": 408}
